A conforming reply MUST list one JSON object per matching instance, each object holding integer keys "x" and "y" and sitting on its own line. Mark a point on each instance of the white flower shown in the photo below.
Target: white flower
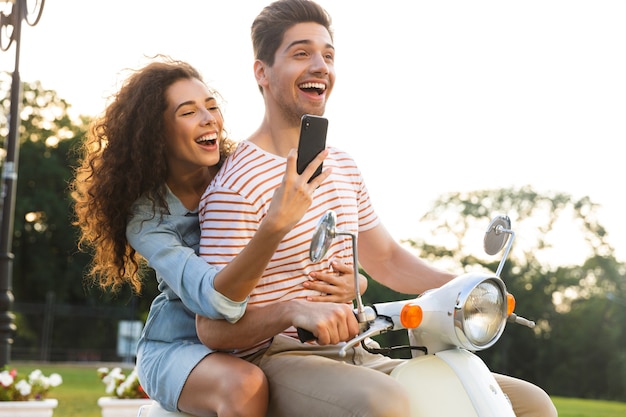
{"x": 6, "y": 379}
{"x": 113, "y": 379}
{"x": 24, "y": 388}
{"x": 36, "y": 376}
{"x": 120, "y": 390}
{"x": 120, "y": 385}
{"x": 33, "y": 387}
{"x": 55, "y": 380}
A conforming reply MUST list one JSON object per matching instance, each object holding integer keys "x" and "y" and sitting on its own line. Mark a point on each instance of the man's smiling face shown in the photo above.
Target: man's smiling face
{"x": 303, "y": 74}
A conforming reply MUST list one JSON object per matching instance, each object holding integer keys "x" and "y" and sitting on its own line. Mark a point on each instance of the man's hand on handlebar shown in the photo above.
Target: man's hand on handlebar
{"x": 330, "y": 323}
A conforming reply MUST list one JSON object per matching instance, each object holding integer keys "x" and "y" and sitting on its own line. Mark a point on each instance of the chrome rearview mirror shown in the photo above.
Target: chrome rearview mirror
{"x": 323, "y": 236}
{"x": 496, "y": 238}
{"x": 325, "y": 232}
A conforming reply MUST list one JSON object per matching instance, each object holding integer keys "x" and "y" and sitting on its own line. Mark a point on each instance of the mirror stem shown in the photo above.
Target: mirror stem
{"x": 500, "y": 229}
{"x": 359, "y": 302}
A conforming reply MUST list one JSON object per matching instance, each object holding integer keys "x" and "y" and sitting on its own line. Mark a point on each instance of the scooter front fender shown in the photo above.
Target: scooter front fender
{"x": 452, "y": 383}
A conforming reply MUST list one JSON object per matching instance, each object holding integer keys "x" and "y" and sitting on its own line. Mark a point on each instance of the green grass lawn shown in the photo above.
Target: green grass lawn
{"x": 81, "y": 388}
{"x": 573, "y": 407}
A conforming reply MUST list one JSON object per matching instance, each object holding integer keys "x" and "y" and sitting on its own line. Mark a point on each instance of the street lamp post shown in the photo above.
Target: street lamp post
{"x": 10, "y": 31}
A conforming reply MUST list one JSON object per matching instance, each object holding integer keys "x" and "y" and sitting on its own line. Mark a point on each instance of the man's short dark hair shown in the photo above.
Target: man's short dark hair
{"x": 270, "y": 25}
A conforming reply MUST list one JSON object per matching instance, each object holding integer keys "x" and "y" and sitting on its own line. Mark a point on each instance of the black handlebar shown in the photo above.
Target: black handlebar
{"x": 305, "y": 335}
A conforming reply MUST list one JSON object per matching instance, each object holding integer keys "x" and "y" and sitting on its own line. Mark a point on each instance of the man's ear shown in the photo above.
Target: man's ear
{"x": 260, "y": 73}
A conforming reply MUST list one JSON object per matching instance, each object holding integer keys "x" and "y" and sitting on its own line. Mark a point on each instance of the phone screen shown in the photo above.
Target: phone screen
{"x": 312, "y": 141}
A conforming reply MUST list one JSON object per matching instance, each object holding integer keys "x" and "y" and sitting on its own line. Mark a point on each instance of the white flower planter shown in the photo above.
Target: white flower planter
{"x": 33, "y": 408}
{"x": 119, "y": 407}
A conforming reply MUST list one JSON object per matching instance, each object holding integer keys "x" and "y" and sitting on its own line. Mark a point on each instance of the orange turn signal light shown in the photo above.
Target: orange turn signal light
{"x": 411, "y": 315}
{"x": 510, "y": 304}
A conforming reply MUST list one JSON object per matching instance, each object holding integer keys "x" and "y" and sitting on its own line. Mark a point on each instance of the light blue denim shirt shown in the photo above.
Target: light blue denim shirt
{"x": 169, "y": 348}
{"x": 170, "y": 245}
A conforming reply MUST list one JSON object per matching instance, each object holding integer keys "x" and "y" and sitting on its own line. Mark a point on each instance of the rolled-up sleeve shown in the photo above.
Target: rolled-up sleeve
{"x": 169, "y": 243}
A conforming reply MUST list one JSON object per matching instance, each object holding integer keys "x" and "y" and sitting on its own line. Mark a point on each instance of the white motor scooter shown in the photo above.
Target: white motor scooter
{"x": 445, "y": 326}
{"x": 444, "y": 378}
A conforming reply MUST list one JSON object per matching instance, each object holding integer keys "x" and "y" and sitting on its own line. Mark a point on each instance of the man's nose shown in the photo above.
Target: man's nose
{"x": 319, "y": 64}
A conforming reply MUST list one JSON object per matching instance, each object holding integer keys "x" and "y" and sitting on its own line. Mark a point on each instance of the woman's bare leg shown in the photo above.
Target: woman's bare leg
{"x": 225, "y": 385}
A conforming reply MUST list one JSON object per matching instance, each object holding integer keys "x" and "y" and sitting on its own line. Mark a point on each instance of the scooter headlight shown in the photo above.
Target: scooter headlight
{"x": 480, "y": 314}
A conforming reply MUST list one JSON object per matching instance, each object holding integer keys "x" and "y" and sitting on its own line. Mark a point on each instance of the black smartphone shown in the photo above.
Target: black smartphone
{"x": 313, "y": 131}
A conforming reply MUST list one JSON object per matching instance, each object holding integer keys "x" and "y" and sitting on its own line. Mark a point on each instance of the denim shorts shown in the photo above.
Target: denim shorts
{"x": 168, "y": 350}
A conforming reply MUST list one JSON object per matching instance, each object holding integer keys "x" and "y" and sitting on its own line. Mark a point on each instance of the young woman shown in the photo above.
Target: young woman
{"x": 145, "y": 164}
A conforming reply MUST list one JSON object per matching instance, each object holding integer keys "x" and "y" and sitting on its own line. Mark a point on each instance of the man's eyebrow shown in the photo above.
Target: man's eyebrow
{"x": 306, "y": 42}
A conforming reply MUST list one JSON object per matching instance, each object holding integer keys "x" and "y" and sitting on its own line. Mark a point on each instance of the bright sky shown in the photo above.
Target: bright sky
{"x": 431, "y": 96}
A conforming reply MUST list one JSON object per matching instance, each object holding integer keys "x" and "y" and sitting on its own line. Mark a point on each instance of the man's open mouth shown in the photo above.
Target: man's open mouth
{"x": 319, "y": 88}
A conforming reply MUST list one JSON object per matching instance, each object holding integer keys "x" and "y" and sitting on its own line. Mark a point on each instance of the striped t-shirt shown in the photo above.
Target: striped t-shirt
{"x": 237, "y": 200}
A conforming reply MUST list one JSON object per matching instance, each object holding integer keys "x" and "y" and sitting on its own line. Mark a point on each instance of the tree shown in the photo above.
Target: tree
{"x": 564, "y": 290}
{"x": 48, "y": 269}
{"x": 44, "y": 242}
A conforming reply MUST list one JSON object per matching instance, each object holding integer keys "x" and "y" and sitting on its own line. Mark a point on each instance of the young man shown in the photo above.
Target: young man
{"x": 294, "y": 68}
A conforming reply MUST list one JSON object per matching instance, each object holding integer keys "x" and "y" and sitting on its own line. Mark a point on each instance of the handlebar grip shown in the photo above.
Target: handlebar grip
{"x": 305, "y": 335}
{"x": 525, "y": 322}
{"x": 514, "y": 318}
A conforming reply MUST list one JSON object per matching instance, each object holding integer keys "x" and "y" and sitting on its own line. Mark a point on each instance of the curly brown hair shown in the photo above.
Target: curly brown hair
{"x": 123, "y": 158}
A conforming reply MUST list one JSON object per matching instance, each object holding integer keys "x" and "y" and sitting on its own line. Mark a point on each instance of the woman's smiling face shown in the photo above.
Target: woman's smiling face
{"x": 193, "y": 125}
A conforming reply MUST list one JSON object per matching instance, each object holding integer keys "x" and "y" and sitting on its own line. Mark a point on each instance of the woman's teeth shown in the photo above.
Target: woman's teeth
{"x": 207, "y": 140}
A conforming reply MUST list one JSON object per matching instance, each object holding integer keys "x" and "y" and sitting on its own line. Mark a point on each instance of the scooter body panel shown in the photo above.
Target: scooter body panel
{"x": 155, "y": 410}
{"x": 452, "y": 383}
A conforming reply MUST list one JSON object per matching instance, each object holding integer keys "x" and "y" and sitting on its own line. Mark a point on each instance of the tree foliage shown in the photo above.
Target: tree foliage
{"x": 47, "y": 266}
{"x": 42, "y": 211}
{"x": 563, "y": 274}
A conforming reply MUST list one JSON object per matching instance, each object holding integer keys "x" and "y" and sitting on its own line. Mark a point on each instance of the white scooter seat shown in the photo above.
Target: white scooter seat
{"x": 155, "y": 410}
